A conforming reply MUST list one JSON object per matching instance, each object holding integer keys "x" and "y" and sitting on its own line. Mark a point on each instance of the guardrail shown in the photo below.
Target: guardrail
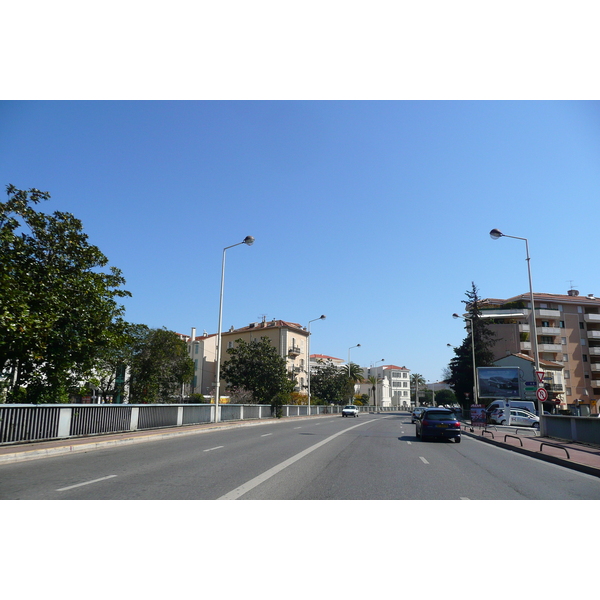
{"x": 33, "y": 423}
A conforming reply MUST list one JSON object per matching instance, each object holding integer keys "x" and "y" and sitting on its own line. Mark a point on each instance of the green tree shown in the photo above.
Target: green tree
{"x": 257, "y": 367}
{"x": 374, "y": 381}
{"x": 160, "y": 366}
{"x": 58, "y": 306}
{"x": 461, "y": 375}
{"x": 417, "y": 385}
{"x": 329, "y": 383}
{"x": 445, "y": 397}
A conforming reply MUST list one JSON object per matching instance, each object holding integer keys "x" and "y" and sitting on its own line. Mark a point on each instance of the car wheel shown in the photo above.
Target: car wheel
{"x": 536, "y": 425}
{"x": 502, "y": 422}
{"x": 457, "y": 440}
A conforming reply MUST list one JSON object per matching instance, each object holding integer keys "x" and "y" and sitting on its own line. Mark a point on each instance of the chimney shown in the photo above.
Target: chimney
{"x": 573, "y": 292}
{"x": 193, "y": 334}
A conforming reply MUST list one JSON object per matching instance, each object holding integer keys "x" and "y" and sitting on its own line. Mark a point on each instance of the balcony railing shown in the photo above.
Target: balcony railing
{"x": 591, "y": 318}
{"x": 294, "y": 351}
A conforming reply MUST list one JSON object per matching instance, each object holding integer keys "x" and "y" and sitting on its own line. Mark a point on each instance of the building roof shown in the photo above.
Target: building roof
{"x": 386, "y": 367}
{"x": 325, "y": 357}
{"x": 273, "y": 323}
{"x": 572, "y": 298}
{"x": 546, "y": 363}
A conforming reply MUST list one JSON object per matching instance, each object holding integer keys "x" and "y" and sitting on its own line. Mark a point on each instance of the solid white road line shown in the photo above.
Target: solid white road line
{"x": 70, "y": 487}
{"x": 215, "y": 448}
{"x": 266, "y": 434}
{"x": 249, "y": 485}
{"x": 425, "y": 461}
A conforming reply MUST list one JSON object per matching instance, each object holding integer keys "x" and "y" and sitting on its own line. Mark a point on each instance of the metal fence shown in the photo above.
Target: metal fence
{"x": 29, "y": 422}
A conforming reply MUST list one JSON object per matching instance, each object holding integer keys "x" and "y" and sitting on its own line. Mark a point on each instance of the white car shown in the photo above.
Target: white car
{"x": 517, "y": 417}
{"x": 350, "y": 411}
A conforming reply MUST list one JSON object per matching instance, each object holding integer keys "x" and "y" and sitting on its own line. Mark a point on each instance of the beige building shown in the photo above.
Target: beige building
{"x": 568, "y": 335}
{"x": 202, "y": 350}
{"x": 289, "y": 339}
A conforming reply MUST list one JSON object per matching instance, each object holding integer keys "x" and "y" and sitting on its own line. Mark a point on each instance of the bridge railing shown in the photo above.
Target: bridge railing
{"x": 30, "y": 422}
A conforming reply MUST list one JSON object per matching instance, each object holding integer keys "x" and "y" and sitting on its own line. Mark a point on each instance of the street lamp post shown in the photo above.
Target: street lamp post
{"x": 496, "y": 234}
{"x": 475, "y": 386}
{"x": 248, "y": 240}
{"x": 357, "y": 346}
{"x": 308, "y": 352}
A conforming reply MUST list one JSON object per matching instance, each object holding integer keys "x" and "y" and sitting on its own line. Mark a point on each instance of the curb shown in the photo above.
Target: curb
{"x": 569, "y": 464}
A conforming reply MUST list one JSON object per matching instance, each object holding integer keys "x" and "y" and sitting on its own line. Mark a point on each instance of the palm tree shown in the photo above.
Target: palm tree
{"x": 417, "y": 380}
{"x": 355, "y": 374}
{"x": 374, "y": 381}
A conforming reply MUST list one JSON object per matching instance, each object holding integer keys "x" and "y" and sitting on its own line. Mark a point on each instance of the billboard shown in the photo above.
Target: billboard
{"x": 499, "y": 382}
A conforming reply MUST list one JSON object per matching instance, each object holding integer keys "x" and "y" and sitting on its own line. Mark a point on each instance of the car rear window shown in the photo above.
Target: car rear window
{"x": 440, "y": 416}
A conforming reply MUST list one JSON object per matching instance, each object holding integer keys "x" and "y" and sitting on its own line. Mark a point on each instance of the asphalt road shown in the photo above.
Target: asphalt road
{"x": 325, "y": 458}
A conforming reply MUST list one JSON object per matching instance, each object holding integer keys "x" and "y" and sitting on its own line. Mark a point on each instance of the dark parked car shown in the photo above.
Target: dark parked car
{"x": 438, "y": 423}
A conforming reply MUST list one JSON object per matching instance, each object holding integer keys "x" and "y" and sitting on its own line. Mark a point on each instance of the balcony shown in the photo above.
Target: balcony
{"x": 548, "y": 330}
{"x": 294, "y": 351}
{"x": 549, "y": 347}
{"x": 595, "y": 367}
{"x": 552, "y": 313}
{"x": 555, "y": 387}
{"x": 591, "y": 318}
{"x": 525, "y": 345}
{"x": 524, "y": 328}
{"x": 593, "y": 334}
{"x": 594, "y": 351}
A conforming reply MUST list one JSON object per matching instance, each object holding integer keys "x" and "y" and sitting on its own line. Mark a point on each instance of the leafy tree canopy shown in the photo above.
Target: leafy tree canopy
{"x": 330, "y": 383}
{"x": 160, "y": 365}
{"x": 59, "y": 307}
{"x": 257, "y": 367}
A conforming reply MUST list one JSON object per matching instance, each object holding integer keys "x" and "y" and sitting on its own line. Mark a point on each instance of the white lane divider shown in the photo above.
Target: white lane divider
{"x": 70, "y": 487}
{"x": 266, "y": 434}
{"x": 424, "y": 460}
{"x": 215, "y": 448}
{"x": 249, "y": 485}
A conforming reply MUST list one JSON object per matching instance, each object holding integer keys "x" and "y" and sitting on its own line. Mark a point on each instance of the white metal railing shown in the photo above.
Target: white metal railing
{"x": 31, "y": 422}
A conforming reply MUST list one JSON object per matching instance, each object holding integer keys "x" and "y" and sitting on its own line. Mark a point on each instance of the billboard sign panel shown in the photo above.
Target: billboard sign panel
{"x": 499, "y": 382}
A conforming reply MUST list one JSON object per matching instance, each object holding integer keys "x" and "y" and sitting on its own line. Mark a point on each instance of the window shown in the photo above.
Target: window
{"x": 563, "y": 341}
{"x": 567, "y": 374}
{"x": 561, "y": 324}
{"x": 584, "y": 356}
{"x": 568, "y": 392}
{"x": 230, "y": 344}
{"x": 565, "y": 358}
{"x": 583, "y": 342}
{"x": 580, "y": 324}
{"x": 545, "y": 323}
{"x": 405, "y": 383}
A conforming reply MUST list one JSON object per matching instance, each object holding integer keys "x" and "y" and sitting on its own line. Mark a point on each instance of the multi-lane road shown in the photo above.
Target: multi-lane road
{"x": 322, "y": 458}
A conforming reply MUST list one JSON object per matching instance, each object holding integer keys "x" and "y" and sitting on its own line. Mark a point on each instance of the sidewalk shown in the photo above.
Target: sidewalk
{"x": 573, "y": 455}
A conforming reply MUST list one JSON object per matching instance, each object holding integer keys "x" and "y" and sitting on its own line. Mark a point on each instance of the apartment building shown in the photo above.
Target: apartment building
{"x": 395, "y": 387}
{"x": 568, "y": 335}
{"x": 289, "y": 339}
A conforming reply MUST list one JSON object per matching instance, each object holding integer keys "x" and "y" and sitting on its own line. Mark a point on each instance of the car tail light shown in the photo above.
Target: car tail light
{"x": 425, "y": 423}
{"x": 456, "y": 425}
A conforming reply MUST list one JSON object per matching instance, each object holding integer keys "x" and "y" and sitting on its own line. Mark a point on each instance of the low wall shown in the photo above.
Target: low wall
{"x": 576, "y": 429}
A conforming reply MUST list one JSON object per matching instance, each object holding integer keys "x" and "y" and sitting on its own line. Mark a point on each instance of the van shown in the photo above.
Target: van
{"x": 524, "y": 404}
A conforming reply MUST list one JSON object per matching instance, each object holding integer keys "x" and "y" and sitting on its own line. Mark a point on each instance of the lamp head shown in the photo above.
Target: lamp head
{"x": 495, "y": 234}
{"x": 322, "y": 317}
{"x": 248, "y": 240}
{"x": 455, "y": 316}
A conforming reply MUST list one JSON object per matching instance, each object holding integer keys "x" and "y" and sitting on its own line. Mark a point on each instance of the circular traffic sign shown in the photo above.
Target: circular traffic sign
{"x": 542, "y": 394}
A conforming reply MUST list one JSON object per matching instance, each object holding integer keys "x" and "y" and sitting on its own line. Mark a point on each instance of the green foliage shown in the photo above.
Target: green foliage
{"x": 330, "y": 384}
{"x": 445, "y": 397}
{"x": 256, "y": 366}
{"x": 160, "y": 365}
{"x": 58, "y": 306}
{"x": 461, "y": 366}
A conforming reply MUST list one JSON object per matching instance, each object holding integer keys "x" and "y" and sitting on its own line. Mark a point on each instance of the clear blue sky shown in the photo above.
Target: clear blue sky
{"x": 375, "y": 214}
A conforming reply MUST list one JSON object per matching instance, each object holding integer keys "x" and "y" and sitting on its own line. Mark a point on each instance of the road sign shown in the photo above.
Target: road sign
{"x": 542, "y": 394}
{"x": 540, "y": 376}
